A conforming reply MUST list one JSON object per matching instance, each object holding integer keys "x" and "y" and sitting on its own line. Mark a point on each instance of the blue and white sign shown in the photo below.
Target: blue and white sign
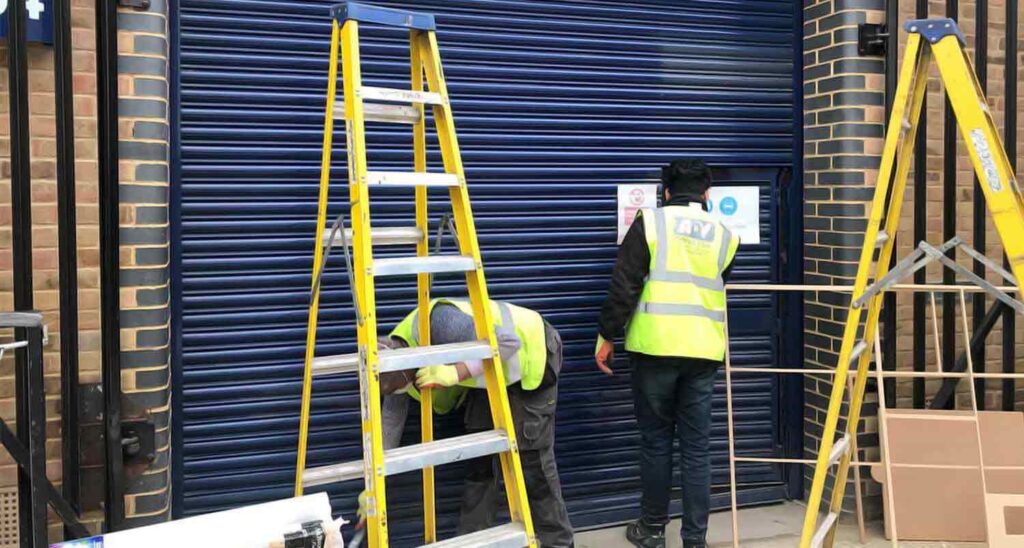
{"x": 40, "y": 20}
{"x": 739, "y": 209}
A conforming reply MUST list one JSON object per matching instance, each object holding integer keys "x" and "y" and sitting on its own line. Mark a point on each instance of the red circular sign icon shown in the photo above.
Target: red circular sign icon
{"x": 636, "y": 196}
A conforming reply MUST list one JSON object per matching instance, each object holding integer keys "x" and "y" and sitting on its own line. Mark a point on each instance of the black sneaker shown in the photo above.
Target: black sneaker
{"x": 642, "y": 535}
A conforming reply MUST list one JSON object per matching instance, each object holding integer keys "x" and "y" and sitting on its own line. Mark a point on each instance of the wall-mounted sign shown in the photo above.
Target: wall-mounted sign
{"x": 40, "y": 20}
{"x": 633, "y": 198}
{"x": 739, "y": 209}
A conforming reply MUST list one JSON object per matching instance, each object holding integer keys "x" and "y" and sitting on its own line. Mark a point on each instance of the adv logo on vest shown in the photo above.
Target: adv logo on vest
{"x": 693, "y": 228}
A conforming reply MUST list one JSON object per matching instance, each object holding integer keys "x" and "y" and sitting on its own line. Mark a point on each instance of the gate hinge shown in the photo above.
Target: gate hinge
{"x": 137, "y": 4}
{"x": 872, "y": 39}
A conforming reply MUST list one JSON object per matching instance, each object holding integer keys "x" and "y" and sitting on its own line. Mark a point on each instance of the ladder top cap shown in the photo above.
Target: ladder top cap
{"x": 936, "y": 29}
{"x": 364, "y": 13}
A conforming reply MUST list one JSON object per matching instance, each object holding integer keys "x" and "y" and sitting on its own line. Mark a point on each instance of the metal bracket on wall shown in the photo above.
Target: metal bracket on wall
{"x": 871, "y": 39}
{"x": 137, "y": 4}
{"x": 138, "y": 441}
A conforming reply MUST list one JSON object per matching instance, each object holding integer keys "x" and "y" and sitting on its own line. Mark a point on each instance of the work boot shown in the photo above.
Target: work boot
{"x": 642, "y": 535}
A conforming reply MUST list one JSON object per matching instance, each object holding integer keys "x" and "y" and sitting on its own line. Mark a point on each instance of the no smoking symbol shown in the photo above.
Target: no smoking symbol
{"x": 636, "y": 196}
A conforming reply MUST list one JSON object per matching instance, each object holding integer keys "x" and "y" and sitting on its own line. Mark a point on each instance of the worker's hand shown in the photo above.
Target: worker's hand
{"x": 437, "y": 376}
{"x": 604, "y": 353}
{"x": 361, "y": 512}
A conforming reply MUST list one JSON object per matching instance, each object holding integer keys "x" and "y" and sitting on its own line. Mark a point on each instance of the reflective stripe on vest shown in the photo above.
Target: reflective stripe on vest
{"x": 666, "y": 309}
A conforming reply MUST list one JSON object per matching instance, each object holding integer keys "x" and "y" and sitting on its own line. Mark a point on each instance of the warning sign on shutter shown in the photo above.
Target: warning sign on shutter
{"x": 633, "y": 198}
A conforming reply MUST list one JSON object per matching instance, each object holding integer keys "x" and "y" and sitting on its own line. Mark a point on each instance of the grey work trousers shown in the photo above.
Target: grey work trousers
{"x": 533, "y": 414}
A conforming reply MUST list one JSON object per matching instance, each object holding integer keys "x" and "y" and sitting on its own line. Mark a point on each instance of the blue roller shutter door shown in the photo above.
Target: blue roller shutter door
{"x": 556, "y": 103}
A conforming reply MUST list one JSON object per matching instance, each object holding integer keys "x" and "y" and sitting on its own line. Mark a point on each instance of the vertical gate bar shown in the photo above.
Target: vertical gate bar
{"x": 110, "y": 298}
{"x": 980, "y": 209}
{"x": 920, "y": 234}
{"x": 1010, "y": 137}
{"x": 21, "y": 241}
{"x": 36, "y": 407}
{"x": 949, "y": 201}
{"x": 67, "y": 250}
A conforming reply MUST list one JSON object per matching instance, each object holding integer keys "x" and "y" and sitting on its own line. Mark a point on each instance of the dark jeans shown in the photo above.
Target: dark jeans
{"x": 673, "y": 396}
{"x": 533, "y": 415}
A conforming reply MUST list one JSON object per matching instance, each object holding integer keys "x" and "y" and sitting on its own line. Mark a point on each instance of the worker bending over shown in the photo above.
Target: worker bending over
{"x": 668, "y": 286}
{"x": 531, "y": 355}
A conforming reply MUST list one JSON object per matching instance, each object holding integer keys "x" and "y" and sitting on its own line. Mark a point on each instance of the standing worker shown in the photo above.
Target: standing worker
{"x": 668, "y": 286}
{"x": 531, "y": 356}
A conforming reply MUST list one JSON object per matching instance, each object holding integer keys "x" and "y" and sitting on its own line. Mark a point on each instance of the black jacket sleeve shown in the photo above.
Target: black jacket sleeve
{"x": 631, "y": 268}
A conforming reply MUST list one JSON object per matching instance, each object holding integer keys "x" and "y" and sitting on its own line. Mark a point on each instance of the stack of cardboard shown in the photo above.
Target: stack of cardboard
{"x": 937, "y": 465}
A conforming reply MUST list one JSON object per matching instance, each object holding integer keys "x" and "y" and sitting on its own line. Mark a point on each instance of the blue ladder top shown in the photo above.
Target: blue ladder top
{"x": 382, "y": 16}
{"x": 935, "y": 29}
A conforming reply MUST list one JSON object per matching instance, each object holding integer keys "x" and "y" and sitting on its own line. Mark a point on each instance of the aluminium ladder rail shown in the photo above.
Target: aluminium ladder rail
{"x": 405, "y": 106}
{"x": 942, "y": 40}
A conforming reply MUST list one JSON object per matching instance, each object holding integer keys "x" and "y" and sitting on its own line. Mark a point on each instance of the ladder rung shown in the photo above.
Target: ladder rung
{"x": 401, "y": 359}
{"x": 415, "y": 357}
{"x": 435, "y": 264}
{"x": 839, "y": 449}
{"x": 883, "y": 237}
{"x": 822, "y": 532}
{"x": 335, "y": 365}
{"x": 415, "y": 457}
{"x": 399, "y": 114}
{"x": 406, "y": 178}
{"x": 382, "y": 236}
{"x": 858, "y": 349}
{"x": 401, "y": 95}
{"x": 377, "y": 112}
{"x": 510, "y": 535}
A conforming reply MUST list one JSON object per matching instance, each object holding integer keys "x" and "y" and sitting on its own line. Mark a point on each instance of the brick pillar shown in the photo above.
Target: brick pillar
{"x": 145, "y": 275}
{"x": 843, "y": 124}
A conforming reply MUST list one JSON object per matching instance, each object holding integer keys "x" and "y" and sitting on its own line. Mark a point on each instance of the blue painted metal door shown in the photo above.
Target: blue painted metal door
{"x": 556, "y": 103}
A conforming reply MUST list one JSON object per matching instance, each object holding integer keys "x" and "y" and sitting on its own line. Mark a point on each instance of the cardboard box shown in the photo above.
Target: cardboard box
{"x": 936, "y": 466}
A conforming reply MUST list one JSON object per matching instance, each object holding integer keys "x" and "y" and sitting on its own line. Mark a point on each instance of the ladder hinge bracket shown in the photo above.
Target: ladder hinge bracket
{"x": 872, "y": 39}
{"x": 934, "y": 30}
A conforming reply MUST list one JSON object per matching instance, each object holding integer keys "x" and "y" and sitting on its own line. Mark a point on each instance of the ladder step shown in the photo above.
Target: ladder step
{"x": 382, "y": 236}
{"x": 858, "y": 349}
{"x": 377, "y": 112}
{"x": 398, "y": 114}
{"x": 839, "y": 449}
{"x": 510, "y": 535}
{"x": 436, "y": 264}
{"x": 401, "y": 359}
{"x": 404, "y": 178}
{"x": 415, "y": 457}
{"x": 335, "y": 365}
{"x": 883, "y": 237}
{"x": 819, "y": 536}
{"x": 401, "y": 95}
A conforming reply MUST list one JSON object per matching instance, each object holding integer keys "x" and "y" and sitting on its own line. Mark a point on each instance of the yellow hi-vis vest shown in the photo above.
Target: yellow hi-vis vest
{"x": 529, "y": 361}
{"x": 681, "y": 311}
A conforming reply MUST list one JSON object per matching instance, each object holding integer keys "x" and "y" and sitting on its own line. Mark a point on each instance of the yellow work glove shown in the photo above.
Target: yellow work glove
{"x": 361, "y": 512}
{"x": 437, "y": 376}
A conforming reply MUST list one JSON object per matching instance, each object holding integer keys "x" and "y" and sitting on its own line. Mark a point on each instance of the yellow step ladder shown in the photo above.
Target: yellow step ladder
{"x": 364, "y": 104}
{"x": 928, "y": 39}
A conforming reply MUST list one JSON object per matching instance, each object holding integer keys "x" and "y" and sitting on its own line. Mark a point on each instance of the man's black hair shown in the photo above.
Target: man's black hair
{"x": 688, "y": 176}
